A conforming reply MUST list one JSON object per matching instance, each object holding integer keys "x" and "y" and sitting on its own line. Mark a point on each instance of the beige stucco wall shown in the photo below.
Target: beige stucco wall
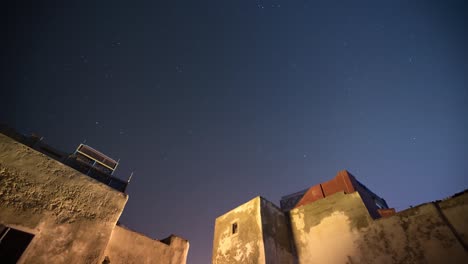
{"x": 71, "y": 215}
{"x": 263, "y": 235}
{"x": 246, "y": 246}
{"x": 338, "y": 229}
{"x": 129, "y": 247}
{"x": 416, "y": 235}
{"x": 326, "y": 231}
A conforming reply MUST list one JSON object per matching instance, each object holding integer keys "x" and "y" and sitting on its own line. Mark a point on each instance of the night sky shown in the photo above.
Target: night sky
{"x": 214, "y": 102}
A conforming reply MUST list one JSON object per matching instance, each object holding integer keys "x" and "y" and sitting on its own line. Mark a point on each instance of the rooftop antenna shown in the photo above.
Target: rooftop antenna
{"x": 130, "y": 178}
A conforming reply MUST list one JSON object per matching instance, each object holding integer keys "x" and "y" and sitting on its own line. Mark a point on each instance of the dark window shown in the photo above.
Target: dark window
{"x": 12, "y": 244}
{"x": 234, "y": 228}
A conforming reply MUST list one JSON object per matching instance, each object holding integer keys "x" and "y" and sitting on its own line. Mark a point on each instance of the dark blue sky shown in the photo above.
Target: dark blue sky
{"x": 214, "y": 102}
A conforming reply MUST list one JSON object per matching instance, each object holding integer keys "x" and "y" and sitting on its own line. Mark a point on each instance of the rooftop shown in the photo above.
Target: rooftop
{"x": 85, "y": 159}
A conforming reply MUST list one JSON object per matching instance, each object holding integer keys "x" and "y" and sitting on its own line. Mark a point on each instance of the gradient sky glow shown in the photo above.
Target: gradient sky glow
{"x": 214, "y": 102}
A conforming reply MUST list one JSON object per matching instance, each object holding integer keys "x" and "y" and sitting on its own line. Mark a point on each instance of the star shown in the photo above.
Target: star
{"x": 84, "y": 59}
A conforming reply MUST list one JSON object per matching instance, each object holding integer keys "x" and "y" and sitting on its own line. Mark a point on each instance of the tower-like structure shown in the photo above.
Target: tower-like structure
{"x": 255, "y": 232}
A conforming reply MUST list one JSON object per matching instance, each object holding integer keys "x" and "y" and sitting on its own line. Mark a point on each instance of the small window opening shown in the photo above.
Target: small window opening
{"x": 234, "y": 228}
{"x": 12, "y": 244}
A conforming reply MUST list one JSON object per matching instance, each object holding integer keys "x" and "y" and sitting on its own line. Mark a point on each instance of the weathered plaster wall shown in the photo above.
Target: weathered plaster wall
{"x": 70, "y": 214}
{"x": 456, "y": 212}
{"x": 416, "y": 235}
{"x": 326, "y": 231}
{"x": 129, "y": 247}
{"x": 338, "y": 229}
{"x": 276, "y": 235}
{"x": 246, "y": 246}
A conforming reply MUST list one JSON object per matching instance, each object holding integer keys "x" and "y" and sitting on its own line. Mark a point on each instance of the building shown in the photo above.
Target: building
{"x": 342, "y": 221}
{"x": 64, "y": 208}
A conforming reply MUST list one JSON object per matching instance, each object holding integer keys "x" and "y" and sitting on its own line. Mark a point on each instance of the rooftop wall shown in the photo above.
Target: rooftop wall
{"x": 245, "y": 245}
{"x": 263, "y": 235}
{"x": 455, "y": 212}
{"x": 71, "y": 215}
{"x": 326, "y": 230}
{"x": 77, "y": 161}
{"x": 342, "y": 221}
{"x": 347, "y": 183}
{"x": 342, "y": 182}
{"x": 339, "y": 229}
{"x": 126, "y": 246}
{"x": 416, "y": 235}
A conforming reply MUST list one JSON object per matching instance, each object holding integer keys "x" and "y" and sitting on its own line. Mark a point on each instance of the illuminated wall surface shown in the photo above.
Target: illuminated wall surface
{"x": 343, "y": 227}
{"x": 51, "y": 213}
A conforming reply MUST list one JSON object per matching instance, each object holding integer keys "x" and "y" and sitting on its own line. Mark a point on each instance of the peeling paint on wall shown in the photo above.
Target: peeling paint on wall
{"x": 246, "y": 245}
{"x": 340, "y": 229}
{"x": 334, "y": 231}
{"x": 316, "y": 245}
{"x": 263, "y": 235}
